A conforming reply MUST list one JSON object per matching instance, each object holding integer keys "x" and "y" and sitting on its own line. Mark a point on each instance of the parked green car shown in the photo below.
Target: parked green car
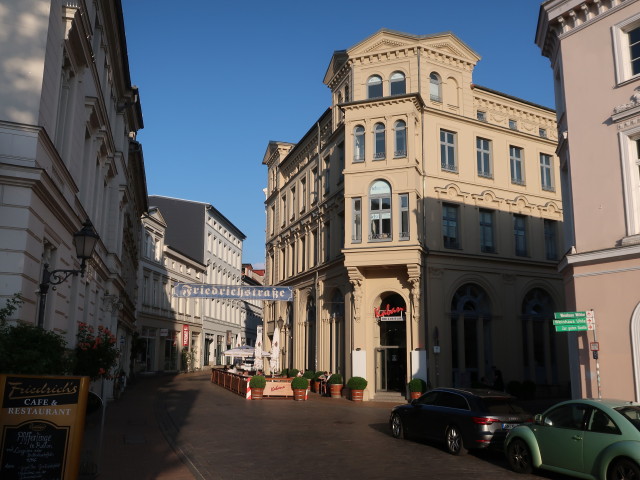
{"x": 595, "y": 439}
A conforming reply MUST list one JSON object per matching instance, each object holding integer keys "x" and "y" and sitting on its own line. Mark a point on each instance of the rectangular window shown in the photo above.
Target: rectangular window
{"x": 545, "y": 172}
{"x": 356, "y": 227}
{"x": 520, "y": 235}
{"x": 303, "y": 194}
{"x": 292, "y": 214}
{"x": 483, "y": 155}
{"x": 515, "y": 161}
{"x": 404, "y": 216}
{"x": 327, "y": 174}
{"x": 487, "y": 244}
{"x": 448, "y": 150}
{"x": 327, "y": 241}
{"x": 314, "y": 186}
{"x": 550, "y": 240}
{"x": 482, "y": 116}
{"x": 634, "y": 50}
{"x": 284, "y": 209}
{"x": 450, "y": 234}
{"x": 542, "y": 132}
{"x": 513, "y": 125}
{"x": 340, "y": 163}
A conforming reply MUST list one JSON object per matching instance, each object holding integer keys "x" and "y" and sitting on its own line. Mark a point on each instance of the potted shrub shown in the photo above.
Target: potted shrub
{"x": 293, "y": 372}
{"x": 317, "y": 381}
{"x": 308, "y": 374}
{"x": 357, "y": 386}
{"x": 257, "y": 384}
{"x": 335, "y": 385}
{"x": 299, "y": 386}
{"x": 417, "y": 387}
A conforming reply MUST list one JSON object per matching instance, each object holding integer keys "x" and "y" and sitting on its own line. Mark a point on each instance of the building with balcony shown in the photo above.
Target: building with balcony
{"x": 419, "y": 223}
{"x": 69, "y": 116}
{"x": 599, "y": 130}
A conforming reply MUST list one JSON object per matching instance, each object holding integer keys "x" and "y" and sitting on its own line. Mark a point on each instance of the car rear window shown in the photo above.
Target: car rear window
{"x": 632, "y": 413}
{"x": 500, "y": 405}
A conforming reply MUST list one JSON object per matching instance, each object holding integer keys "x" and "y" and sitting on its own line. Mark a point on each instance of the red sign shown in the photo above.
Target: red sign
{"x": 389, "y": 311}
{"x": 185, "y": 335}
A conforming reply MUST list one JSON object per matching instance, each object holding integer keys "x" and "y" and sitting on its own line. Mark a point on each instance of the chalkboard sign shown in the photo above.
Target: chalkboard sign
{"x": 42, "y": 423}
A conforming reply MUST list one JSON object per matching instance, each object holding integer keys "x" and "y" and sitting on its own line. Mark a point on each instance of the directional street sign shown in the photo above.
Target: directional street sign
{"x": 571, "y": 328}
{"x": 570, "y": 315}
{"x": 571, "y": 321}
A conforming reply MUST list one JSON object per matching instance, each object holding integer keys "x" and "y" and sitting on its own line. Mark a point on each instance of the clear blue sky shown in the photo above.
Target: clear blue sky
{"x": 219, "y": 79}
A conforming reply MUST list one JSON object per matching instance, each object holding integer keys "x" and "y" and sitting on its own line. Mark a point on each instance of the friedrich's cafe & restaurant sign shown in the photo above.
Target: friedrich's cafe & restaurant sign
{"x": 42, "y": 425}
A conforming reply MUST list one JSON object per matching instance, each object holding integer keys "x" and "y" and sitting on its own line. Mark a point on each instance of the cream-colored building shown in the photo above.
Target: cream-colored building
{"x": 69, "y": 116}
{"x": 593, "y": 48}
{"x": 419, "y": 224}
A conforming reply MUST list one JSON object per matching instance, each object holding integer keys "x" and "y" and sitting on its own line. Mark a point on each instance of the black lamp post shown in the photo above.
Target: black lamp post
{"x": 85, "y": 242}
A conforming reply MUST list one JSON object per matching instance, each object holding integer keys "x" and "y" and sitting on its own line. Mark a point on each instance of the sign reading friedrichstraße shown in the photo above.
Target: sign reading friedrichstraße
{"x": 200, "y": 290}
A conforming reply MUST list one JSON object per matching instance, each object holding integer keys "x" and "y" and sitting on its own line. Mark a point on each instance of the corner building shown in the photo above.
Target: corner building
{"x": 419, "y": 225}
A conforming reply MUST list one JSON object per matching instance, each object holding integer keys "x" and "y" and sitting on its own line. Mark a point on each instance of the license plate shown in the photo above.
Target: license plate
{"x": 509, "y": 426}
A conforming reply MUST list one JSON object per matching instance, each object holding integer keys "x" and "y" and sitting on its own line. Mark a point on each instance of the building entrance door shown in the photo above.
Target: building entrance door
{"x": 390, "y": 369}
{"x": 391, "y": 357}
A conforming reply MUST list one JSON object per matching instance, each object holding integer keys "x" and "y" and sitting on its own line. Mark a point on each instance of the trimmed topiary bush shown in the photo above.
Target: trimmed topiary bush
{"x": 417, "y": 385}
{"x": 335, "y": 379}
{"x": 258, "y": 381}
{"x": 357, "y": 383}
{"x": 293, "y": 372}
{"x": 309, "y": 374}
{"x": 318, "y": 374}
{"x": 299, "y": 383}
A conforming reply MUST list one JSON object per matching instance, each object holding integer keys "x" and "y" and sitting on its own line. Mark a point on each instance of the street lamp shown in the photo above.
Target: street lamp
{"x": 85, "y": 242}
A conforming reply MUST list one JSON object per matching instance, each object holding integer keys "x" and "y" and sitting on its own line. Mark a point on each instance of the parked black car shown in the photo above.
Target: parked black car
{"x": 461, "y": 418}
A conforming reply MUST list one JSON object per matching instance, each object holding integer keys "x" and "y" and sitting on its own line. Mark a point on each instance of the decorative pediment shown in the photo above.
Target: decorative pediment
{"x": 487, "y": 198}
{"x": 520, "y": 204}
{"x": 384, "y": 44}
{"x": 451, "y": 192}
{"x": 551, "y": 209}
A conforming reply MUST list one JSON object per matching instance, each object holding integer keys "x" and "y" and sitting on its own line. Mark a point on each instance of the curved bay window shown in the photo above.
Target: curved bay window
{"x": 400, "y": 137}
{"x": 538, "y": 338}
{"x": 471, "y": 349}
{"x": 374, "y": 87}
{"x": 380, "y": 144}
{"x": 380, "y": 211}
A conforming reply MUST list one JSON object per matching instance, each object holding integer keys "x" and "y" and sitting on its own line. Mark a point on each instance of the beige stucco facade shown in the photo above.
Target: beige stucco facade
{"x": 430, "y": 199}
{"x": 598, "y": 123}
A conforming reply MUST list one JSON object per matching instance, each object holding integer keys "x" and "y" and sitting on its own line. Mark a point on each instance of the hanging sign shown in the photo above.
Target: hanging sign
{"x": 389, "y": 314}
{"x": 185, "y": 335}
{"x": 200, "y": 290}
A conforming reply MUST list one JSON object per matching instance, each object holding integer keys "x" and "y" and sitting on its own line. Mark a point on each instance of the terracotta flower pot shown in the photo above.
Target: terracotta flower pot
{"x": 299, "y": 394}
{"x": 415, "y": 395}
{"x": 256, "y": 393}
{"x": 356, "y": 395}
{"x": 336, "y": 390}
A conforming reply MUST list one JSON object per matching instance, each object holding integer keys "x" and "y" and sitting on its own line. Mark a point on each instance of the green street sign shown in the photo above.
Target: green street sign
{"x": 569, "y": 315}
{"x": 571, "y": 321}
{"x": 571, "y": 328}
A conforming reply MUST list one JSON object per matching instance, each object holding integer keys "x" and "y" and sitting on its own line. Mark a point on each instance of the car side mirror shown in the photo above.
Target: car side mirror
{"x": 538, "y": 419}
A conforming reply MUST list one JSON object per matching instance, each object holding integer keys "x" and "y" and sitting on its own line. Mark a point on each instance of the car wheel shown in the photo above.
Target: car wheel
{"x": 623, "y": 469}
{"x": 519, "y": 456}
{"x": 454, "y": 441}
{"x": 397, "y": 429}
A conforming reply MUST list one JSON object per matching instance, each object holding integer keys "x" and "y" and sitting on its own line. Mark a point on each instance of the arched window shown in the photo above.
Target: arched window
{"x": 435, "y": 87}
{"x": 358, "y": 144}
{"x": 380, "y": 145}
{"x": 398, "y": 83}
{"x": 374, "y": 87}
{"x": 400, "y": 147}
{"x": 380, "y": 211}
{"x": 470, "y": 320}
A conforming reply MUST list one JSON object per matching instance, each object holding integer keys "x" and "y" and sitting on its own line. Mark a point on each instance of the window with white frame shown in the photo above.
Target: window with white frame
{"x": 374, "y": 87}
{"x": 283, "y": 210}
{"x": 380, "y": 211}
{"x": 483, "y": 156}
{"x": 630, "y": 148}
{"x": 546, "y": 177}
{"x": 398, "y": 83}
{"x": 542, "y": 132}
{"x": 513, "y": 125}
{"x": 379, "y": 143}
{"x": 435, "y": 87}
{"x": 356, "y": 226}
{"x": 327, "y": 174}
{"x": 358, "y": 144}
{"x": 292, "y": 213}
{"x": 404, "y": 216}
{"x": 482, "y": 116}
{"x": 314, "y": 185}
{"x": 400, "y": 147}
{"x": 450, "y": 230}
{"x": 515, "y": 163}
{"x": 448, "y": 150}
{"x": 626, "y": 41}
{"x": 303, "y": 194}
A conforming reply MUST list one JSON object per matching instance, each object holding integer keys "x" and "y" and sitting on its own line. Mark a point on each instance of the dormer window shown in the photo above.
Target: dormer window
{"x": 374, "y": 87}
{"x": 398, "y": 83}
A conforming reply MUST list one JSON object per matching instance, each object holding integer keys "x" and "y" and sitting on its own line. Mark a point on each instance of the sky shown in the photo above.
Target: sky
{"x": 220, "y": 79}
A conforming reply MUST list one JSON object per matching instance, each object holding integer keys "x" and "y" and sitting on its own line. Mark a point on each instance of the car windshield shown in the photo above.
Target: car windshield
{"x": 632, "y": 413}
{"x": 500, "y": 405}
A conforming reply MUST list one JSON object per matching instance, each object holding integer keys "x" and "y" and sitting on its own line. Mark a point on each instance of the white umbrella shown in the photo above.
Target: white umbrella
{"x": 258, "y": 350}
{"x": 243, "y": 351}
{"x": 275, "y": 351}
